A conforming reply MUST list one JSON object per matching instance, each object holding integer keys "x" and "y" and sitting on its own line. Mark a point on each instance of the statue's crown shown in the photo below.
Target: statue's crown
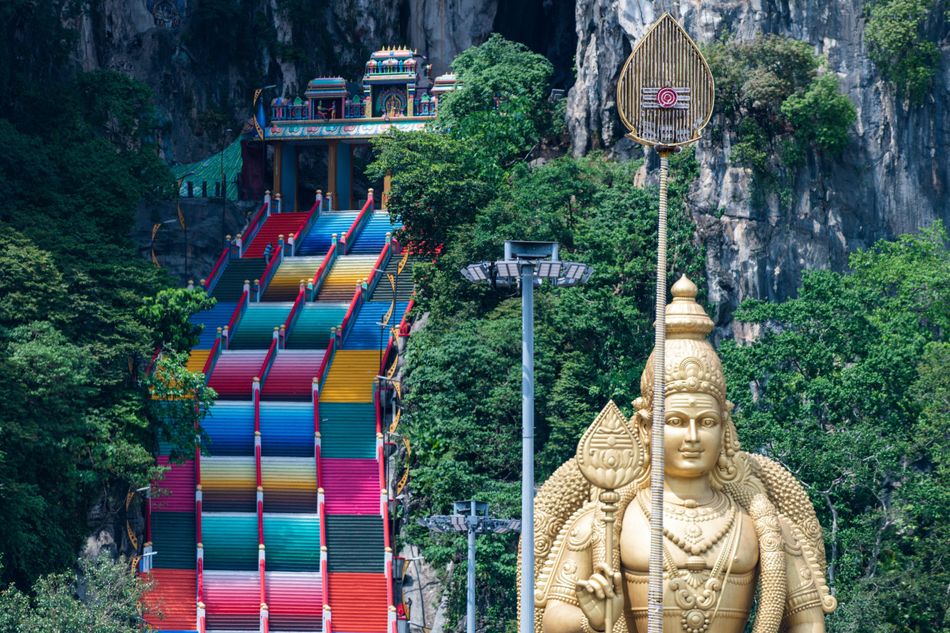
{"x": 691, "y": 364}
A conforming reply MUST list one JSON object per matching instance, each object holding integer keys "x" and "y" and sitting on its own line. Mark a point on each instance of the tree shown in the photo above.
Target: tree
{"x": 844, "y": 389}
{"x": 105, "y": 598}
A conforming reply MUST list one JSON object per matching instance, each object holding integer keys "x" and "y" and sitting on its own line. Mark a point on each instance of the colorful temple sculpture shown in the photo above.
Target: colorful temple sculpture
{"x": 397, "y": 92}
{"x": 281, "y": 522}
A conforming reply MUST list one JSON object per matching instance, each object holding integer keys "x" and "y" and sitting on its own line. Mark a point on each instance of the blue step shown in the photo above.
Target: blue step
{"x": 320, "y": 237}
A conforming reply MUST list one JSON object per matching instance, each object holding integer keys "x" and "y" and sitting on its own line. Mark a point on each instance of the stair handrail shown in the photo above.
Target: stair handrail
{"x": 325, "y": 363}
{"x": 351, "y": 311}
{"x": 400, "y": 328}
{"x": 384, "y": 494}
{"x": 275, "y": 259}
{"x": 269, "y": 358}
{"x": 212, "y": 357}
{"x": 379, "y": 267}
{"x": 312, "y": 215}
{"x": 323, "y": 270}
{"x": 239, "y": 311}
{"x": 349, "y": 236}
{"x": 294, "y": 313}
{"x": 211, "y": 281}
{"x": 254, "y": 224}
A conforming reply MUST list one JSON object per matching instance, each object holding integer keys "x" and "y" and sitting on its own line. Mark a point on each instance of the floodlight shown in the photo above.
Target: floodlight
{"x": 507, "y": 269}
{"x": 548, "y": 270}
{"x": 477, "y": 273}
{"x": 575, "y": 273}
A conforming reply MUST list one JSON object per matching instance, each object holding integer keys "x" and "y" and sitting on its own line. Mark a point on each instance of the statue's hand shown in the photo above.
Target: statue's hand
{"x": 593, "y": 594}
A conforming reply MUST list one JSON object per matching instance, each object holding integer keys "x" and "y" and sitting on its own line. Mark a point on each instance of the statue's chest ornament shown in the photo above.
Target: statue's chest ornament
{"x": 696, "y": 589}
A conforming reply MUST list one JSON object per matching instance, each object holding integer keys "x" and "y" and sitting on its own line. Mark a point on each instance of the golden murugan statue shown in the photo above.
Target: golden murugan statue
{"x": 735, "y": 524}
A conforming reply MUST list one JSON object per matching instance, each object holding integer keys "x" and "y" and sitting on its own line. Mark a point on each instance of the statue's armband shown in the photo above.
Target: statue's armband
{"x": 804, "y": 607}
{"x": 569, "y": 560}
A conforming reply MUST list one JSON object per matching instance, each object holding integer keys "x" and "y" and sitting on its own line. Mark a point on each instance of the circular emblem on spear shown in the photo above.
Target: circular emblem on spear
{"x": 666, "y": 97}
{"x": 665, "y": 93}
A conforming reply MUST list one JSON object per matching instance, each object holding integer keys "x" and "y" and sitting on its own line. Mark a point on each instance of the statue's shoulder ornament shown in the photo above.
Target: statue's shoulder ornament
{"x": 801, "y": 532}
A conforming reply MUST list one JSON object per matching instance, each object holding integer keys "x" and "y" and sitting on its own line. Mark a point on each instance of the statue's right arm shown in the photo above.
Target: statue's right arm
{"x": 562, "y": 613}
{"x": 561, "y": 617}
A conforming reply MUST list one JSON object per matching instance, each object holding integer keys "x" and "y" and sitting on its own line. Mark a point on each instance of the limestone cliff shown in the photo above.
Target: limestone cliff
{"x": 892, "y": 178}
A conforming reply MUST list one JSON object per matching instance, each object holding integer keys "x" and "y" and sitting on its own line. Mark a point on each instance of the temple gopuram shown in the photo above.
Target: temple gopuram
{"x": 396, "y": 92}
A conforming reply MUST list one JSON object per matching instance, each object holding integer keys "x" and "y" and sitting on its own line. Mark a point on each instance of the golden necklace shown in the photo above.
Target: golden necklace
{"x": 696, "y": 591}
{"x": 692, "y": 541}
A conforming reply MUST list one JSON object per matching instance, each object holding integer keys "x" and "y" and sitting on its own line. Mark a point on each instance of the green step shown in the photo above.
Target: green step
{"x": 312, "y": 328}
{"x": 347, "y": 430}
{"x": 292, "y": 541}
{"x": 173, "y": 540}
{"x": 230, "y": 285}
{"x": 230, "y": 540}
{"x": 256, "y": 328}
{"x": 355, "y": 543}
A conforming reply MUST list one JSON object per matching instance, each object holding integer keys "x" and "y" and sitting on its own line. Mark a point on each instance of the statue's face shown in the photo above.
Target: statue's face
{"x": 693, "y": 434}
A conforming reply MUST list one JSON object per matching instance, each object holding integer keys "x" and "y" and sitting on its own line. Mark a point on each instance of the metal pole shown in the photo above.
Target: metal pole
{"x": 527, "y": 447}
{"x": 470, "y": 590}
{"x": 655, "y": 588}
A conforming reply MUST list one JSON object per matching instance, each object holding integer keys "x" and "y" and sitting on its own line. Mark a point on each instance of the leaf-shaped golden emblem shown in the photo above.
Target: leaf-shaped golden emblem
{"x": 609, "y": 454}
{"x": 665, "y": 93}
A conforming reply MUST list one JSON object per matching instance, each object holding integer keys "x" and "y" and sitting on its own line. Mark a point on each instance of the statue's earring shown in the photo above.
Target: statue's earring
{"x": 643, "y": 419}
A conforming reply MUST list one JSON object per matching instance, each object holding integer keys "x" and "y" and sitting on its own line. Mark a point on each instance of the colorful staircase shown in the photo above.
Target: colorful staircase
{"x": 372, "y": 236}
{"x": 283, "y": 508}
{"x": 347, "y": 270}
{"x": 320, "y": 237}
{"x": 274, "y": 226}
{"x": 230, "y": 285}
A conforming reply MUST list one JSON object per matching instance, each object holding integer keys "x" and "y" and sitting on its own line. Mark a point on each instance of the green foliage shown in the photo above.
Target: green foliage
{"x": 75, "y": 332}
{"x": 166, "y": 315}
{"x": 849, "y": 391}
{"x": 500, "y": 106}
{"x": 894, "y": 32}
{"x": 105, "y": 598}
{"x": 772, "y": 92}
{"x": 466, "y": 191}
{"x": 821, "y": 115}
{"x": 180, "y": 401}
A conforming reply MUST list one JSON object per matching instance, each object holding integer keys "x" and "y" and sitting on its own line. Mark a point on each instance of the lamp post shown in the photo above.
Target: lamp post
{"x": 528, "y": 264}
{"x": 472, "y": 517}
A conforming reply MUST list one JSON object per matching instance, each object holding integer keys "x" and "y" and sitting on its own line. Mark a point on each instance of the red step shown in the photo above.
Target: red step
{"x": 274, "y": 226}
{"x": 358, "y": 602}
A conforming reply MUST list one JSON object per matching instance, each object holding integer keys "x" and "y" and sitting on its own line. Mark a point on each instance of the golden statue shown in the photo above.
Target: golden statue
{"x": 735, "y": 524}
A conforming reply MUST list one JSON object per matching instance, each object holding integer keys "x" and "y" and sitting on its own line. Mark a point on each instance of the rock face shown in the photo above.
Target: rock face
{"x": 892, "y": 178}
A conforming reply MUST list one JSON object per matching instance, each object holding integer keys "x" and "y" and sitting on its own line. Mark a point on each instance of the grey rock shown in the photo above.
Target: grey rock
{"x": 891, "y": 179}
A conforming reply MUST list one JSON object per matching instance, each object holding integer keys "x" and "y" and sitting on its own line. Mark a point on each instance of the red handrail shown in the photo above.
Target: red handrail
{"x": 214, "y": 271}
{"x": 316, "y": 208}
{"x": 325, "y": 363}
{"x": 350, "y": 311}
{"x": 381, "y": 261}
{"x": 238, "y": 311}
{"x": 250, "y": 230}
{"x": 359, "y": 218}
{"x": 294, "y": 309}
{"x": 331, "y": 254}
{"x": 389, "y": 344}
{"x": 268, "y": 361}
{"x": 269, "y": 270}
{"x": 209, "y": 362}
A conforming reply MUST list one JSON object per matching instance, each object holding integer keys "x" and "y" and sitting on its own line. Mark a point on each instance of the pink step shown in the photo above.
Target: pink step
{"x": 234, "y": 373}
{"x": 175, "y": 491}
{"x": 291, "y": 376}
{"x": 351, "y": 486}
